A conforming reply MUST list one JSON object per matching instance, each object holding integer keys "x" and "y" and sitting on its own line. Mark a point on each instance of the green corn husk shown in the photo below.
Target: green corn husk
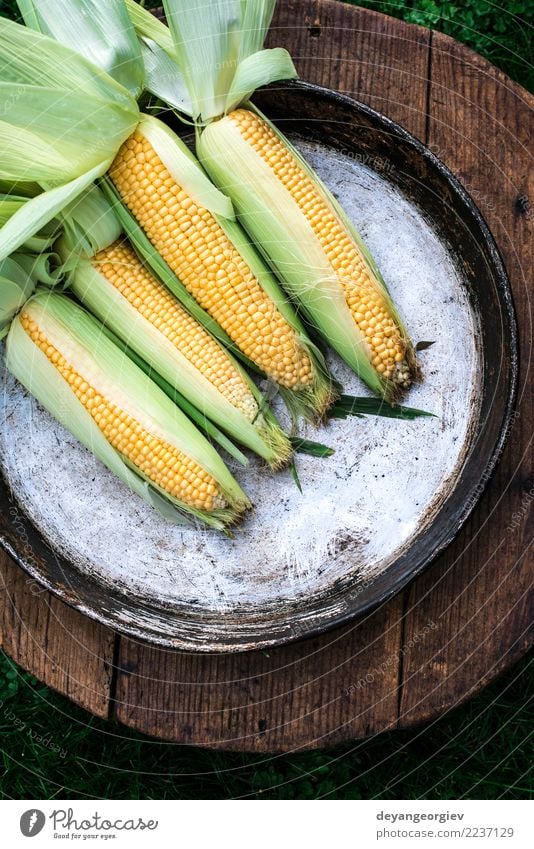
{"x": 90, "y": 226}
{"x": 62, "y": 125}
{"x": 262, "y": 433}
{"x": 79, "y": 337}
{"x": 221, "y": 60}
{"x": 20, "y": 274}
{"x": 310, "y": 401}
{"x": 265, "y": 206}
{"x": 16, "y": 286}
{"x": 99, "y": 30}
{"x": 219, "y": 55}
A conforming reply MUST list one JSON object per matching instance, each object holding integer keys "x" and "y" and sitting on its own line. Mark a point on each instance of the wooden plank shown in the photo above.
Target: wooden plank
{"x": 309, "y": 694}
{"x": 377, "y": 59}
{"x": 479, "y": 593}
{"x": 61, "y": 647}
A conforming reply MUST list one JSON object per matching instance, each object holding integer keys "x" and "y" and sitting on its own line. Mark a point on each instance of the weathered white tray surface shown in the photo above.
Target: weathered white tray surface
{"x": 359, "y": 509}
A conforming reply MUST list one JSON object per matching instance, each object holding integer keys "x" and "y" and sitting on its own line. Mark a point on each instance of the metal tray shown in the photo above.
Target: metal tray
{"x": 371, "y": 517}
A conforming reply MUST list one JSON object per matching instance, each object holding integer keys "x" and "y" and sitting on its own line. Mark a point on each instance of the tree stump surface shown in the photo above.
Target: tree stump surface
{"x": 465, "y": 619}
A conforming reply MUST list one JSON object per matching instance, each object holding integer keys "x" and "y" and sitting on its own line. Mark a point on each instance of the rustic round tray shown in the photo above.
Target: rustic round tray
{"x": 395, "y": 189}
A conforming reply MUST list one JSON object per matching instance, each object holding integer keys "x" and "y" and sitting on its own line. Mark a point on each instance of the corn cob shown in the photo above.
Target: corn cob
{"x": 59, "y": 353}
{"x": 226, "y": 278}
{"x": 286, "y": 210}
{"x": 198, "y": 251}
{"x": 364, "y": 297}
{"x": 123, "y": 270}
{"x": 244, "y": 143}
{"x": 122, "y": 292}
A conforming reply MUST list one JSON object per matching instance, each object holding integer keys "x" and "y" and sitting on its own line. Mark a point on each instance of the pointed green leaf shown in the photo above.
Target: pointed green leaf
{"x": 163, "y": 78}
{"x": 348, "y": 405}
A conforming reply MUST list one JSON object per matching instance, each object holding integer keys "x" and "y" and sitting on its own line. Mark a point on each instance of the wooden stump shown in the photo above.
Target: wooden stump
{"x": 465, "y": 619}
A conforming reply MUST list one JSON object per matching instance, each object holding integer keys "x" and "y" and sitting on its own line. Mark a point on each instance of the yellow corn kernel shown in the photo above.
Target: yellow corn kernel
{"x": 198, "y": 251}
{"x": 122, "y": 268}
{"x": 166, "y": 466}
{"x": 364, "y": 298}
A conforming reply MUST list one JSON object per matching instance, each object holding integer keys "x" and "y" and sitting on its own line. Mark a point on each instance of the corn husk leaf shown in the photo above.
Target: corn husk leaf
{"x": 259, "y": 69}
{"x": 89, "y": 225}
{"x": 349, "y": 405}
{"x": 61, "y": 127}
{"x": 9, "y": 205}
{"x": 263, "y": 436}
{"x": 16, "y": 286}
{"x": 101, "y": 31}
{"x": 265, "y": 208}
{"x": 312, "y": 449}
{"x": 91, "y": 350}
{"x": 19, "y": 276}
{"x": 32, "y": 216}
{"x": 148, "y": 26}
{"x": 218, "y": 49}
{"x": 163, "y": 77}
{"x": 185, "y": 169}
{"x": 44, "y": 268}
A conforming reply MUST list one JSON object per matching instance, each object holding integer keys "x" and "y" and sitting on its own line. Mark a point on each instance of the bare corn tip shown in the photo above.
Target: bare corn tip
{"x": 405, "y": 375}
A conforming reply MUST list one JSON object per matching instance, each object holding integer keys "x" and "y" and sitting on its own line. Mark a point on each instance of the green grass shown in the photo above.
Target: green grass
{"x": 481, "y": 750}
{"x": 478, "y": 751}
{"x": 502, "y": 32}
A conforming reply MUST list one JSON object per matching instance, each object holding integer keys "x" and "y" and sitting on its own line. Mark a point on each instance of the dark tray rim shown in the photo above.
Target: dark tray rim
{"x": 355, "y": 611}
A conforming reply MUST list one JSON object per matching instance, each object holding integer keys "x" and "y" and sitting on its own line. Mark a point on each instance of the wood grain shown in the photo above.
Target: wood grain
{"x": 68, "y": 651}
{"x": 309, "y": 694}
{"x": 479, "y": 593}
{"x": 360, "y": 53}
{"x": 464, "y": 620}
